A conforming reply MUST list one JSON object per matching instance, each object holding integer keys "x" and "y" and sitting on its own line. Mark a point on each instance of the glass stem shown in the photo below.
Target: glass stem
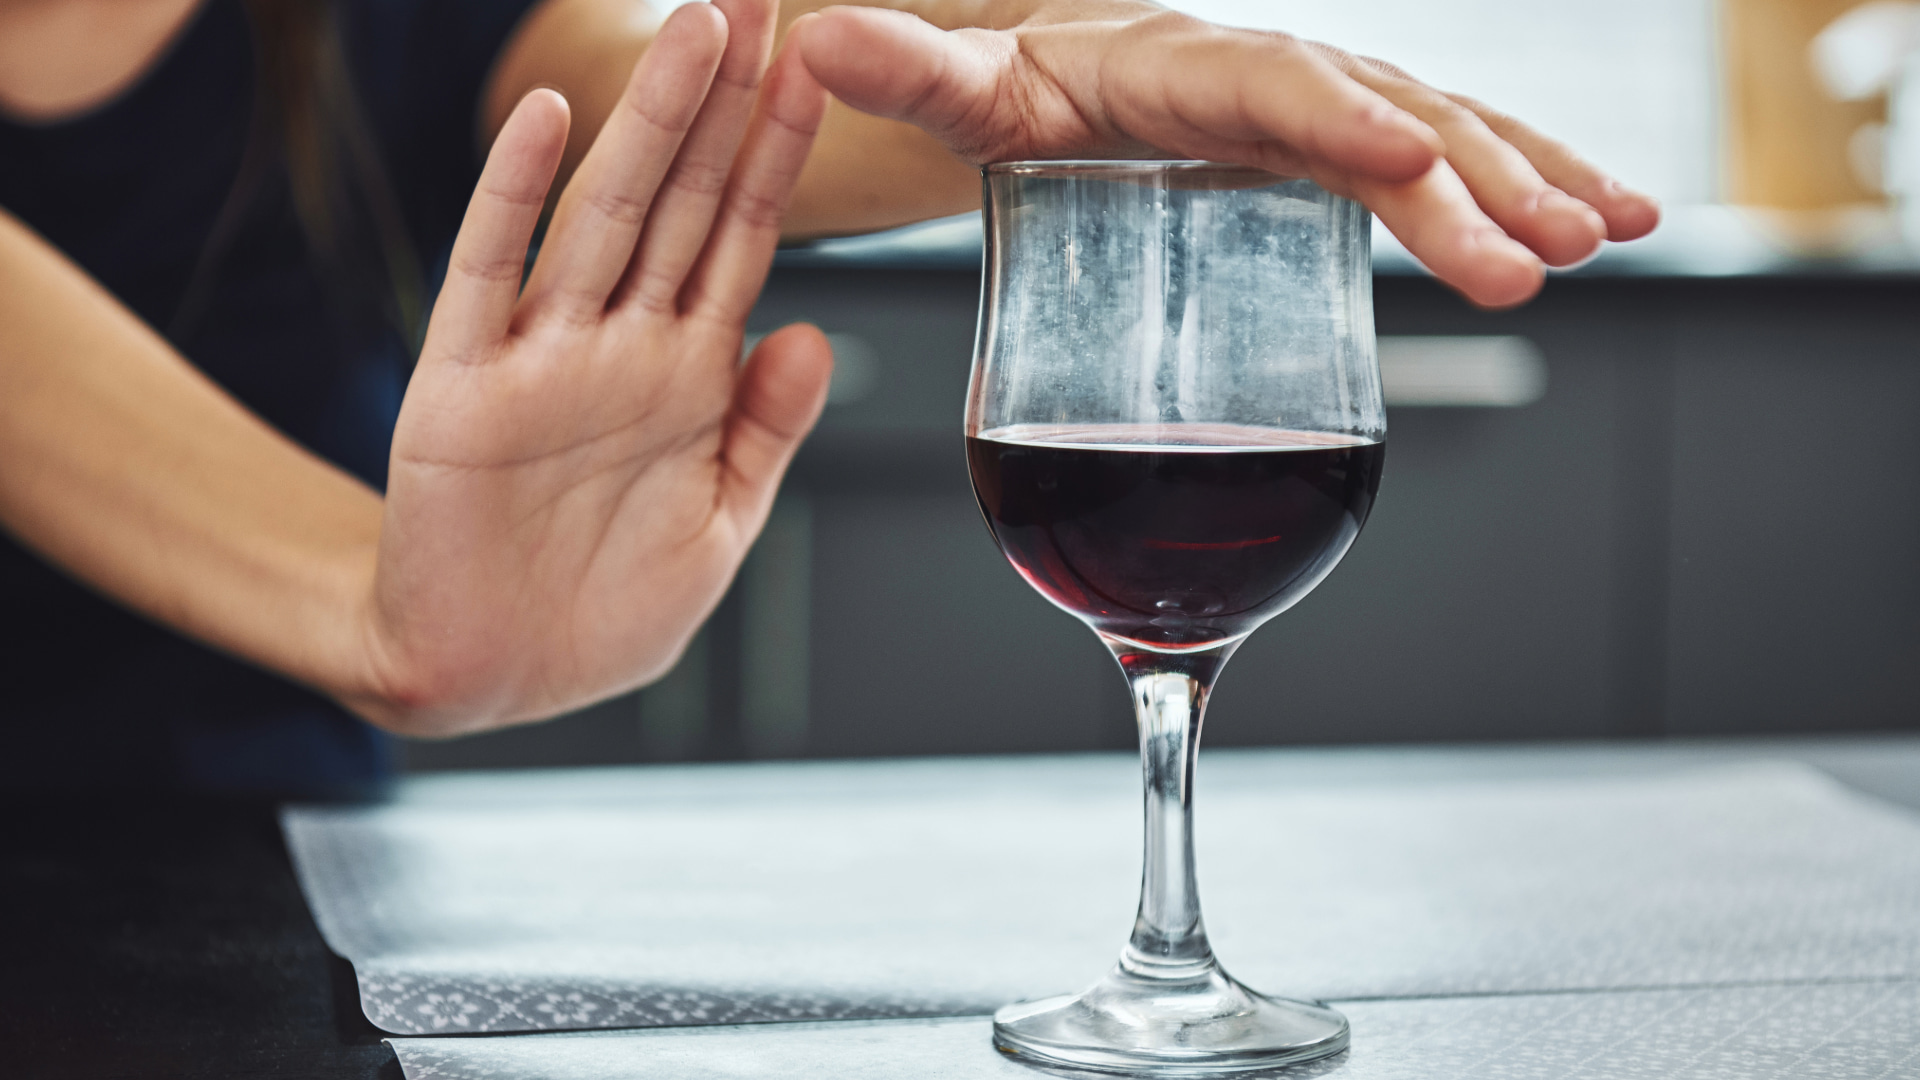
{"x": 1170, "y": 698}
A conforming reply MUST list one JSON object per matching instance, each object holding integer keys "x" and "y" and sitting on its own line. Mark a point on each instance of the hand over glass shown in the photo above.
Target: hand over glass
{"x": 1175, "y": 430}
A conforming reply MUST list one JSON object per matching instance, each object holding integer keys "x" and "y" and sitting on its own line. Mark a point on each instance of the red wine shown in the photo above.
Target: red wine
{"x": 1176, "y": 537}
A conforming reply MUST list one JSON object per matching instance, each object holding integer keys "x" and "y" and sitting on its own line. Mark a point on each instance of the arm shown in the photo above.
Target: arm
{"x": 866, "y": 172}
{"x": 122, "y": 463}
{"x": 1483, "y": 200}
{"x": 577, "y": 470}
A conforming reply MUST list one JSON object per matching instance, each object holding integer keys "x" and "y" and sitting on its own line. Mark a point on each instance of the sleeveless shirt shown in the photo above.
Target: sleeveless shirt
{"x": 93, "y": 696}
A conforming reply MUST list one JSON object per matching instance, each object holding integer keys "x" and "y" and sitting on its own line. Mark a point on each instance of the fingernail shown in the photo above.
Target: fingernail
{"x": 1616, "y": 188}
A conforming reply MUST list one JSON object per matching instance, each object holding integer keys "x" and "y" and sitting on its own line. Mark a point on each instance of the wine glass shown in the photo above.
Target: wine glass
{"x": 1174, "y": 427}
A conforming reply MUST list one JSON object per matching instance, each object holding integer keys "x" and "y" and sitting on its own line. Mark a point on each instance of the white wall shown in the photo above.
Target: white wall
{"x": 1629, "y": 83}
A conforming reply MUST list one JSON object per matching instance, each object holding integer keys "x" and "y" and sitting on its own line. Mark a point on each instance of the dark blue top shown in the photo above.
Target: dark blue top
{"x": 92, "y": 696}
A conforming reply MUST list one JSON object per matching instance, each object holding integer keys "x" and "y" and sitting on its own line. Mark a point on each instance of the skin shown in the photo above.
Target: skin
{"x": 579, "y": 467}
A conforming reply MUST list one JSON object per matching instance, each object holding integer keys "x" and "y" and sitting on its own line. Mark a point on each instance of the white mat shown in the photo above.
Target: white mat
{"x": 715, "y": 895}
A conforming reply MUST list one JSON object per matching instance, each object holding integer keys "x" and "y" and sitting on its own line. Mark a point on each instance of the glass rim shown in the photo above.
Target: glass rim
{"x": 1127, "y": 165}
{"x": 1170, "y": 173}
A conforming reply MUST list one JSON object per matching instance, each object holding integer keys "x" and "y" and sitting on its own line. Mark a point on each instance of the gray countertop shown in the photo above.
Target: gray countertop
{"x": 1708, "y": 241}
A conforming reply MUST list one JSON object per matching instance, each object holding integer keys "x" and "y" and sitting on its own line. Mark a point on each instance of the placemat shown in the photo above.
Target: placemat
{"x": 651, "y": 896}
{"x": 1855, "y": 1031}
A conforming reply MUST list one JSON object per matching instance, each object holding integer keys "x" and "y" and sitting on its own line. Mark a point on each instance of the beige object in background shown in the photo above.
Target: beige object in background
{"x": 1786, "y": 137}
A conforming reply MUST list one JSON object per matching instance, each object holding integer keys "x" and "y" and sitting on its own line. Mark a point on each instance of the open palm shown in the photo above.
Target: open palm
{"x": 580, "y": 466}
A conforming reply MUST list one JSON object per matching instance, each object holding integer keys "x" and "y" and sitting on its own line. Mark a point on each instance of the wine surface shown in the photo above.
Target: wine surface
{"x": 1175, "y": 537}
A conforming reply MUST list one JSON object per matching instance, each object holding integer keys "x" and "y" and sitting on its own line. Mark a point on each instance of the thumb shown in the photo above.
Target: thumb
{"x": 897, "y": 66}
{"x": 775, "y": 403}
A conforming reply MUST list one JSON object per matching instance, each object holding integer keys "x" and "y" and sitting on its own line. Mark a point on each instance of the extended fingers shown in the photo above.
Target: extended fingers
{"x": 1629, "y": 214}
{"x": 740, "y": 249}
{"x": 684, "y": 212}
{"x": 475, "y": 306}
{"x": 602, "y": 212}
{"x": 1439, "y": 222}
{"x": 1557, "y": 226}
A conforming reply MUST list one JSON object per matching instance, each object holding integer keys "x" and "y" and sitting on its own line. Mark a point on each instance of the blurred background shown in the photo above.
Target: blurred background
{"x": 1678, "y": 495}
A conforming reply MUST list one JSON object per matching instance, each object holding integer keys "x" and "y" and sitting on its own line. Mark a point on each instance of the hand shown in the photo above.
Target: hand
{"x": 1480, "y": 198}
{"x": 580, "y": 467}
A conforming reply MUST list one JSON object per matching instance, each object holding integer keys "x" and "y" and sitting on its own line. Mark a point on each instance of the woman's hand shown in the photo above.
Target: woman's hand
{"x": 1480, "y": 198}
{"x": 580, "y": 467}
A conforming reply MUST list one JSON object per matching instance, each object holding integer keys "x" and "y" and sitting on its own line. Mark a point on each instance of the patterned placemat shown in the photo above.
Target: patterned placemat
{"x": 1852, "y": 1031}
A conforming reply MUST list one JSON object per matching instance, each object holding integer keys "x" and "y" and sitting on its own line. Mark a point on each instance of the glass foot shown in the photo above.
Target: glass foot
{"x": 1201, "y": 1026}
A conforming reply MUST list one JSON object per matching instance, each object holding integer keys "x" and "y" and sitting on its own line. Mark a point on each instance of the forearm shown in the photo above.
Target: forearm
{"x": 864, "y": 173}
{"x": 126, "y": 467}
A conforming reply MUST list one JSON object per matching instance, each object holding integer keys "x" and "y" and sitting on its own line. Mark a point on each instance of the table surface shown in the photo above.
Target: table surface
{"x": 169, "y": 938}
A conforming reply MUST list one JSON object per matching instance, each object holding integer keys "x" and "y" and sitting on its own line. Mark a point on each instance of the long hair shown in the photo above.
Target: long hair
{"x": 307, "y": 118}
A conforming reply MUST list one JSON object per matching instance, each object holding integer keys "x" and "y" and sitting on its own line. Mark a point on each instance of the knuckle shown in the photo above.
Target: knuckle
{"x": 1163, "y": 30}
{"x": 617, "y": 206}
{"x": 643, "y": 109}
{"x": 656, "y": 291}
{"x": 1437, "y": 108}
{"x": 575, "y": 309}
{"x": 790, "y": 128}
{"x": 1162, "y": 21}
{"x": 519, "y": 196}
{"x": 490, "y": 268}
{"x": 1387, "y": 68}
{"x": 1493, "y": 118}
{"x": 1332, "y": 54}
{"x": 758, "y": 208}
{"x": 464, "y": 353}
{"x": 1475, "y": 105}
{"x": 744, "y": 77}
{"x": 701, "y": 178}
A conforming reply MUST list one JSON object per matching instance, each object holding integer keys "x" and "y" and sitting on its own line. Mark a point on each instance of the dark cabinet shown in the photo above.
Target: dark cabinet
{"x": 1795, "y": 547}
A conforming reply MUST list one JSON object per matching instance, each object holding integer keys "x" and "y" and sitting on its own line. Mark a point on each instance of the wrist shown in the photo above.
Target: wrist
{"x": 385, "y": 678}
{"x": 372, "y": 679}
{"x": 406, "y": 674}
